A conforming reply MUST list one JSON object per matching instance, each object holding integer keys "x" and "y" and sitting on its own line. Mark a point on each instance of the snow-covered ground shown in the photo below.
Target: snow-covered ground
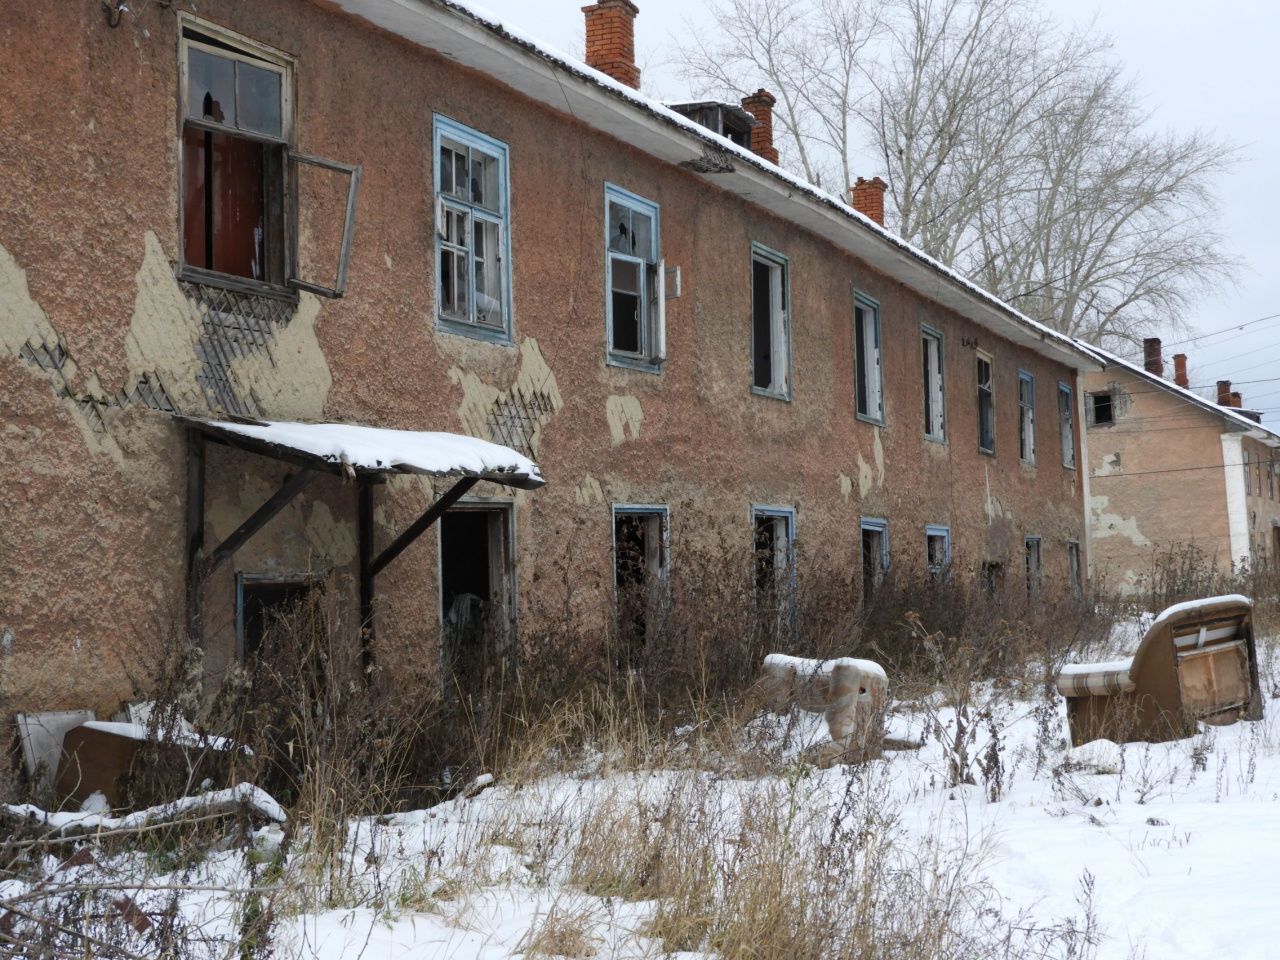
{"x": 1162, "y": 851}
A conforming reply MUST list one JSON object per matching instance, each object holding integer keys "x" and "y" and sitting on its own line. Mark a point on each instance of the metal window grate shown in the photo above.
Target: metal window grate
{"x": 515, "y": 417}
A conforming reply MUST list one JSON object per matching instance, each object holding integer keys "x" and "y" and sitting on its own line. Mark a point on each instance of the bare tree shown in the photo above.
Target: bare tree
{"x": 1014, "y": 151}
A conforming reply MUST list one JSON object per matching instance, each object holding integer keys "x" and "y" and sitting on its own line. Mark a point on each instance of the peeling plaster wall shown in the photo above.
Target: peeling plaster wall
{"x": 92, "y": 533}
{"x": 1142, "y": 502}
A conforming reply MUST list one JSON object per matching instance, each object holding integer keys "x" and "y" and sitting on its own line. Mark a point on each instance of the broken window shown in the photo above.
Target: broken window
{"x": 243, "y": 186}
{"x": 937, "y": 548}
{"x": 875, "y": 553}
{"x": 640, "y": 573}
{"x": 1075, "y": 572}
{"x": 869, "y": 372}
{"x": 1066, "y": 426}
{"x": 934, "y": 402}
{"x": 774, "y": 552}
{"x": 476, "y": 586}
{"x": 1026, "y": 417}
{"x": 1103, "y": 408}
{"x": 266, "y": 604}
{"x": 986, "y": 406}
{"x": 473, "y": 285}
{"x": 770, "y": 325}
{"x": 636, "y": 281}
{"x": 1033, "y": 566}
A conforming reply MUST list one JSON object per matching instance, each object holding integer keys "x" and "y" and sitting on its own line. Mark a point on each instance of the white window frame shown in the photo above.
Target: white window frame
{"x": 932, "y": 530}
{"x": 653, "y": 288}
{"x": 1067, "y": 424}
{"x": 934, "y": 384}
{"x": 1026, "y": 417}
{"x": 989, "y": 391}
{"x": 868, "y": 359}
{"x": 446, "y": 128}
{"x": 779, "y": 322}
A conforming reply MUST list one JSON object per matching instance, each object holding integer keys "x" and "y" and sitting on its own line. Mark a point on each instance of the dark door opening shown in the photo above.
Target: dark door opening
{"x": 267, "y": 606}
{"x": 473, "y": 594}
{"x": 638, "y": 564}
{"x": 873, "y": 554}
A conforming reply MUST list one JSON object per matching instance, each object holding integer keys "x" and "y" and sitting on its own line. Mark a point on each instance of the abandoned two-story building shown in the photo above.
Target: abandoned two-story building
{"x": 1171, "y": 471}
{"x": 405, "y": 216}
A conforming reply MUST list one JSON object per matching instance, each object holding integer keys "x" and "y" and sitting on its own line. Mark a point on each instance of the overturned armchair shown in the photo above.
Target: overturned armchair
{"x": 1196, "y": 663}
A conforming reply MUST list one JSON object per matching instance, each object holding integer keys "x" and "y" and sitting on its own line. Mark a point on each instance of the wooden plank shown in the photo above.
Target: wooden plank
{"x": 416, "y": 529}
{"x": 261, "y": 517}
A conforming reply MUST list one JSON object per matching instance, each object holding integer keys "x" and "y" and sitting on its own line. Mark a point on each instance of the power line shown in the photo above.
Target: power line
{"x": 1213, "y": 333}
{"x": 1147, "y": 473}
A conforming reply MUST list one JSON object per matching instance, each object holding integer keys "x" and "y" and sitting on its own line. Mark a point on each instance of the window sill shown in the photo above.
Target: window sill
{"x": 871, "y": 420}
{"x": 784, "y": 396}
{"x": 987, "y": 453}
{"x": 472, "y": 331}
{"x": 1027, "y": 464}
{"x": 639, "y": 364}
{"x": 245, "y": 285}
{"x": 941, "y": 441}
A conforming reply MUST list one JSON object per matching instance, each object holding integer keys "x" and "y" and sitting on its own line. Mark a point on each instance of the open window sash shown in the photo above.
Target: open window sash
{"x": 352, "y": 173}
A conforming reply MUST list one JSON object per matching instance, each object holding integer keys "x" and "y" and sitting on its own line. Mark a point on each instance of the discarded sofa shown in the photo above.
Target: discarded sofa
{"x": 850, "y": 694}
{"x": 1197, "y": 662}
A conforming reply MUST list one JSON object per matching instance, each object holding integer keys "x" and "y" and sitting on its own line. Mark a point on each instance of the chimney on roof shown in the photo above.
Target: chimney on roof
{"x": 760, "y": 105}
{"x": 867, "y": 197}
{"x": 611, "y": 39}
{"x": 1224, "y": 393}
{"x": 1237, "y": 399}
{"x": 1152, "y": 358}
{"x": 1180, "y": 370}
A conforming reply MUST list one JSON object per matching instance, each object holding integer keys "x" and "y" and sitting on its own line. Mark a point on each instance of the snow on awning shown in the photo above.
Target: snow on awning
{"x": 349, "y": 447}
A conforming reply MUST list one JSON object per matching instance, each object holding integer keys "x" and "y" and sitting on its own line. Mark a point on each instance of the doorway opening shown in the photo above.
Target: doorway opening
{"x": 476, "y": 573}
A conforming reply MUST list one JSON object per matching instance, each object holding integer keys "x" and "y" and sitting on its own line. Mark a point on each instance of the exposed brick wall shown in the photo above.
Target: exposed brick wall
{"x": 611, "y": 39}
{"x": 867, "y": 197}
{"x": 760, "y": 105}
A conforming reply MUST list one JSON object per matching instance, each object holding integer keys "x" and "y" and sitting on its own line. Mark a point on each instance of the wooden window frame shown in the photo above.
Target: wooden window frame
{"x": 868, "y": 369}
{"x": 934, "y": 384}
{"x": 652, "y": 355}
{"x": 989, "y": 391}
{"x": 1027, "y": 418}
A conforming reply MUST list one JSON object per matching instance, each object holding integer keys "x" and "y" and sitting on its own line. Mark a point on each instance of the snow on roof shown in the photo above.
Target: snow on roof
{"x": 477, "y": 14}
{"x": 1230, "y": 414}
{"x": 390, "y": 451}
{"x": 1190, "y": 606}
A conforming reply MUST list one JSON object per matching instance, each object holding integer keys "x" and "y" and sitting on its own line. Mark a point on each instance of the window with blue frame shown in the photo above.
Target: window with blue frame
{"x": 770, "y": 323}
{"x": 937, "y": 546}
{"x": 875, "y": 553}
{"x": 1026, "y": 417}
{"x": 634, "y": 280}
{"x": 473, "y": 217}
{"x": 868, "y": 375}
{"x": 1067, "y": 425}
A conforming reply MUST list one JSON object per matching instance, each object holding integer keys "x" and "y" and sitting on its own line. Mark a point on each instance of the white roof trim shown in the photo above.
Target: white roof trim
{"x": 474, "y": 38}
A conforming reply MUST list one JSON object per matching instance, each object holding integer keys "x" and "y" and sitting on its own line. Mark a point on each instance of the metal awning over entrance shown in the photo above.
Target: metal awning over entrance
{"x": 366, "y": 455}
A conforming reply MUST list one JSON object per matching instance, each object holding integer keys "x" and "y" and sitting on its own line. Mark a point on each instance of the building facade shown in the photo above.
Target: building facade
{"x": 1171, "y": 471}
{"x": 405, "y": 216}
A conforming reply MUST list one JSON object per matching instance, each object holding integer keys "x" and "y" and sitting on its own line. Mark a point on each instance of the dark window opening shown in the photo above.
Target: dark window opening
{"x": 473, "y": 595}
{"x": 986, "y": 407}
{"x": 1033, "y": 566}
{"x": 937, "y": 548}
{"x": 868, "y": 385}
{"x": 992, "y": 577}
{"x": 268, "y": 606}
{"x": 772, "y": 554}
{"x": 628, "y": 306}
{"x": 1103, "y": 409}
{"x": 1074, "y": 571}
{"x": 639, "y": 567}
{"x": 762, "y": 323}
{"x": 875, "y": 546}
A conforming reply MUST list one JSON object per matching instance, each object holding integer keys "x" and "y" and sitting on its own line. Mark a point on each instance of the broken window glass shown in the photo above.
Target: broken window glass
{"x": 868, "y": 385}
{"x": 471, "y": 227}
{"x": 1026, "y": 417}
{"x": 636, "y": 280}
{"x": 986, "y": 406}
{"x": 934, "y": 419}
{"x": 770, "y": 330}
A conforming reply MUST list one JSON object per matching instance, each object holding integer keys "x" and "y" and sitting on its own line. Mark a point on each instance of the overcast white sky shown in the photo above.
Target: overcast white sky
{"x": 1200, "y": 66}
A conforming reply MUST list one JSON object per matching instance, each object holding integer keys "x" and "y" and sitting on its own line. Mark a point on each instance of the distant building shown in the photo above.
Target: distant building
{"x": 1171, "y": 470}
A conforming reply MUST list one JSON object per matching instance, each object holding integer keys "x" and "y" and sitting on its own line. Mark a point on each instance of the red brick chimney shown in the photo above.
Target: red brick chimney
{"x": 1180, "y": 370}
{"x": 1152, "y": 358}
{"x": 1224, "y": 393}
{"x": 760, "y": 105}
{"x": 1237, "y": 399}
{"x": 867, "y": 197}
{"x": 611, "y": 39}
